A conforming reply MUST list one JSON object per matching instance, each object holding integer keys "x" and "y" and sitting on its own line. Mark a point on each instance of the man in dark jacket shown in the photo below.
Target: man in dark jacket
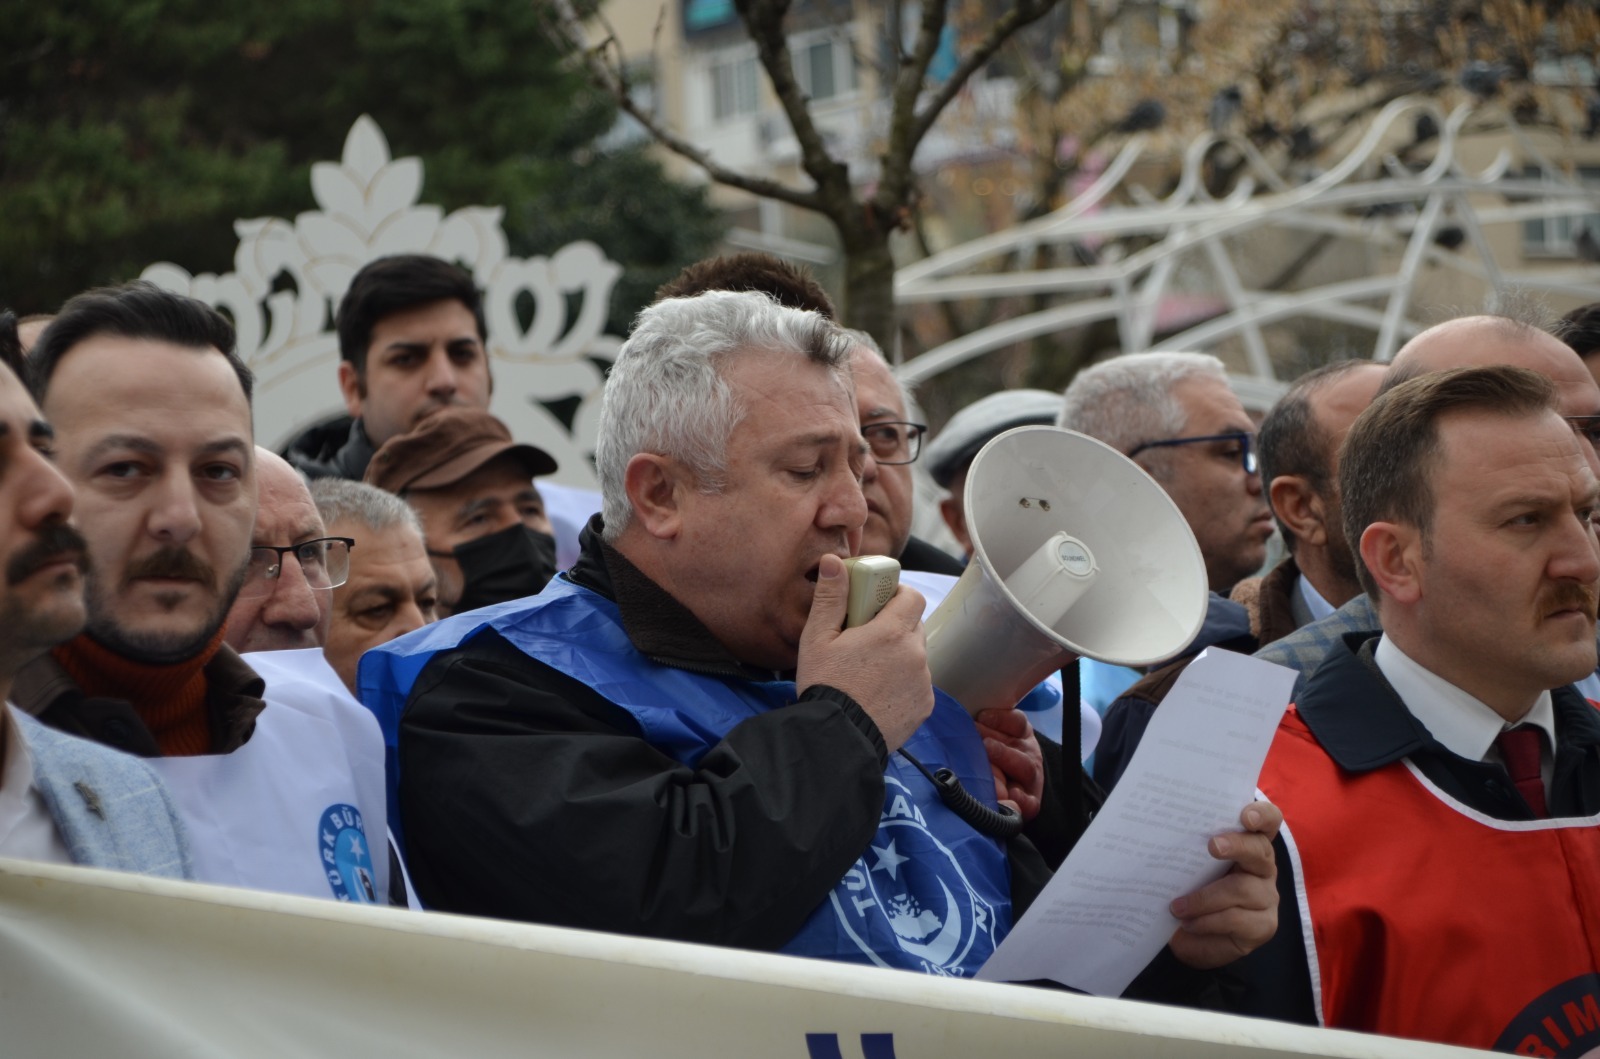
{"x": 1425, "y": 771}
{"x": 411, "y": 340}
{"x": 678, "y": 739}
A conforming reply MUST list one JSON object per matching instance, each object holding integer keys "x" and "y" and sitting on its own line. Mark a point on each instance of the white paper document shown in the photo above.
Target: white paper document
{"x": 1105, "y": 915}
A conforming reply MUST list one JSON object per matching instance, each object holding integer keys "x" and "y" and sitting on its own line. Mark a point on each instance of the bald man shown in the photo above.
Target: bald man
{"x": 292, "y": 609}
{"x": 1466, "y": 342}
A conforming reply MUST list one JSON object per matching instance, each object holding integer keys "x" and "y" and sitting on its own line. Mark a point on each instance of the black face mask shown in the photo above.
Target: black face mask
{"x": 510, "y": 564}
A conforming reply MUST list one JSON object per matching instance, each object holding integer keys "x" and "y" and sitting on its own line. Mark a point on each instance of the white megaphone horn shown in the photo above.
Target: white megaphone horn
{"x": 1076, "y": 552}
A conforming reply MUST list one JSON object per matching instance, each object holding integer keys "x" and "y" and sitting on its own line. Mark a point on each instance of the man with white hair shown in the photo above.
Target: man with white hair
{"x": 1175, "y": 416}
{"x": 288, "y": 609}
{"x": 678, "y": 739}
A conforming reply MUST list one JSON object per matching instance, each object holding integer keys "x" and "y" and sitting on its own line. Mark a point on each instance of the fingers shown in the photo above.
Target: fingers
{"x": 828, "y": 603}
{"x": 1263, "y": 818}
{"x": 1249, "y": 851}
{"x": 1225, "y": 920}
{"x": 1007, "y": 721}
{"x": 905, "y": 607}
{"x": 1020, "y": 768}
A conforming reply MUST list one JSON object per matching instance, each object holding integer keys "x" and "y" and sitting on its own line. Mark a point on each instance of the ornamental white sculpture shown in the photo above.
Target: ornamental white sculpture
{"x": 289, "y": 276}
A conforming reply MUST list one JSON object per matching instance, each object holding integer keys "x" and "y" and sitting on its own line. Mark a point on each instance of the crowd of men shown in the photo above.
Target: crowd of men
{"x": 353, "y": 671}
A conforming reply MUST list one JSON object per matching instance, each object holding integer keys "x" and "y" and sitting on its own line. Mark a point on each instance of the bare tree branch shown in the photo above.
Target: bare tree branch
{"x": 569, "y": 28}
{"x": 909, "y": 78}
{"x": 763, "y": 20}
{"x": 1025, "y": 12}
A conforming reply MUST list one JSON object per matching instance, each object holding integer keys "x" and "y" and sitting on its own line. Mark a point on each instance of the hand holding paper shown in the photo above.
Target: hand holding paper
{"x": 1110, "y": 908}
{"x": 1237, "y": 913}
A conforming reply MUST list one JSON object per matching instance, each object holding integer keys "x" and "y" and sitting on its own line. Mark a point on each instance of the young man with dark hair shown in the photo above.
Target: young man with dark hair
{"x": 151, "y": 407}
{"x": 1424, "y": 770}
{"x": 411, "y": 340}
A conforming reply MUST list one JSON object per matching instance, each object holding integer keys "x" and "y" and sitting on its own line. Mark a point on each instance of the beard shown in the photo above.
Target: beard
{"x": 162, "y": 646}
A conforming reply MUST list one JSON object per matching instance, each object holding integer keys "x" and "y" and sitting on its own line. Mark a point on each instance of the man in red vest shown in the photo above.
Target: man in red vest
{"x": 1440, "y": 781}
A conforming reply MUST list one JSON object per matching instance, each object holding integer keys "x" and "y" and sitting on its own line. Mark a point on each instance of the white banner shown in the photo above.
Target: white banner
{"x": 96, "y": 963}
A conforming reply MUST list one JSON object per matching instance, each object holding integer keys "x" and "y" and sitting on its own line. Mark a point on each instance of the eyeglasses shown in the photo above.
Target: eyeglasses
{"x": 324, "y": 561}
{"x": 894, "y": 443}
{"x": 1587, "y": 428}
{"x": 1245, "y": 452}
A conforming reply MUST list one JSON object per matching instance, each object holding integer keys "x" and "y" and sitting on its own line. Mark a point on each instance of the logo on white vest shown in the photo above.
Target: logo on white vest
{"x": 346, "y": 856}
{"x": 907, "y": 902}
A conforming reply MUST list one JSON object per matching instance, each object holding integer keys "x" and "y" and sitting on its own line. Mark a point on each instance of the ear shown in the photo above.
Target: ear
{"x": 656, "y": 486}
{"x": 1392, "y": 553}
{"x": 1299, "y": 507}
{"x": 350, "y": 388}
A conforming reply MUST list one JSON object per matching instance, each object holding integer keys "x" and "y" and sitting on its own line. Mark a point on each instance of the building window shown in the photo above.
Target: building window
{"x": 1558, "y": 236}
{"x": 824, "y": 66}
{"x": 733, "y": 87}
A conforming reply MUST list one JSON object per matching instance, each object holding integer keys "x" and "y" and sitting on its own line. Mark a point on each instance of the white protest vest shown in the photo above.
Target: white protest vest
{"x": 300, "y": 807}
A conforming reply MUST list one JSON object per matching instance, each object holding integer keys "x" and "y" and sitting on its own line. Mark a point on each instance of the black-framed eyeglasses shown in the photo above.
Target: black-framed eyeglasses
{"x": 325, "y": 562}
{"x": 1587, "y": 428}
{"x": 894, "y": 443}
{"x": 1246, "y": 447}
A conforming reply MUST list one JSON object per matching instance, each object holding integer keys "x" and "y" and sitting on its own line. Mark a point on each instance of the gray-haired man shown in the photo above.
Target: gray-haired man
{"x": 677, "y": 738}
{"x": 1174, "y": 414}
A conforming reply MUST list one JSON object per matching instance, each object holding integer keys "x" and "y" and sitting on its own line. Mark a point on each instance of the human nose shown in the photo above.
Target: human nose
{"x": 176, "y": 514}
{"x": 1578, "y": 558}
{"x": 441, "y": 374}
{"x": 845, "y": 506}
{"x": 409, "y": 618}
{"x": 48, "y": 496}
{"x": 294, "y": 602}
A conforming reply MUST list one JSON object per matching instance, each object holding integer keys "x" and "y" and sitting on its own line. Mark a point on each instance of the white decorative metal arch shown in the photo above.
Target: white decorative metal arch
{"x": 1190, "y": 220}
{"x": 289, "y": 276}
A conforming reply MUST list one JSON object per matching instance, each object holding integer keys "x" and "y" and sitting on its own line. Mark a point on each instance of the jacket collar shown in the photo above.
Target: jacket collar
{"x": 663, "y": 630}
{"x": 233, "y": 695}
{"x": 1363, "y": 725}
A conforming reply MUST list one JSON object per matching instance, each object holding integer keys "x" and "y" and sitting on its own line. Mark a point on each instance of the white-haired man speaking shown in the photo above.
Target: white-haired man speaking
{"x": 677, "y": 738}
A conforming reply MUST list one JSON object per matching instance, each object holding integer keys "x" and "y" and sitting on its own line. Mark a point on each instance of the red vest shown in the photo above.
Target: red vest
{"x": 1424, "y": 918}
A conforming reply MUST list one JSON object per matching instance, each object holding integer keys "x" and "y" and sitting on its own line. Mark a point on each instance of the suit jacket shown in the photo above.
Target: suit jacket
{"x": 110, "y": 808}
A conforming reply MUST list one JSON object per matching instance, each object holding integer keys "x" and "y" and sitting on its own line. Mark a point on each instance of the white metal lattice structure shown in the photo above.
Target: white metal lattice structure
{"x": 1369, "y": 198}
{"x": 289, "y": 275}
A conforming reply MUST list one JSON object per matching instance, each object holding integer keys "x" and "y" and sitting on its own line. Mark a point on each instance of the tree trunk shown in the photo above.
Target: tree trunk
{"x": 869, "y": 289}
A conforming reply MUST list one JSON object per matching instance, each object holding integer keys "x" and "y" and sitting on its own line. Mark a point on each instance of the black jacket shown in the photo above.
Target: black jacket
{"x": 1360, "y": 721}
{"x": 337, "y": 448}
{"x": 918, "y": 554}
{"x": 526, "y": 795}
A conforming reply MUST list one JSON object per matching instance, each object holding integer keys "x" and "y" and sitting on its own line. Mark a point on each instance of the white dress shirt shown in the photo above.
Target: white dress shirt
{"x": 1319, "y": 607}
{"x": 1465, "y": 725}
{"x": 27, "y": 830}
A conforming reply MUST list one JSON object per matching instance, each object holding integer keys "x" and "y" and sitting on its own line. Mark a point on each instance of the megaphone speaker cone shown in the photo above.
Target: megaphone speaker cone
{"x": 1076, "y": 552}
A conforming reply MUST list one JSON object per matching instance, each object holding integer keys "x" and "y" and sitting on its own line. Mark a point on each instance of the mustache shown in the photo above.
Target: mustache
{"x": 54, "y": 541}
{"x": 172, "y": 562}
{"x": 1567, "y": 595}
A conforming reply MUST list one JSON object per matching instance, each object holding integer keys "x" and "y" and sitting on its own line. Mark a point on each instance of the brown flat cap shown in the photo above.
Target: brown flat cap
{"x": 446, "y": 447}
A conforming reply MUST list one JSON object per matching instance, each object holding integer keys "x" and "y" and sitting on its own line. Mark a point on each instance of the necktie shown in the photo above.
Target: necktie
{"x": 1519, "y": 748}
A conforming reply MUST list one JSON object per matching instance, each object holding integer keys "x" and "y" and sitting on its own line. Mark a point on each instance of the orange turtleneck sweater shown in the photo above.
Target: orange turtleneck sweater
{"x": 170, "y": 699}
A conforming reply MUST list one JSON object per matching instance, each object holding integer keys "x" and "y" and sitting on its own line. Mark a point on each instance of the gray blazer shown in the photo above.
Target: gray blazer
{"x": 110, "y": 807}
{"x": 1306, "y": 647}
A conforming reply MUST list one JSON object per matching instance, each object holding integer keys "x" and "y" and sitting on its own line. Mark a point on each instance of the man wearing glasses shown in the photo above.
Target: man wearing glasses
{"x": 285, "y": 600}
{"x": 1175, "y": 416}
{"x": 894, "y": 444}
{"x": 277, "y": 773}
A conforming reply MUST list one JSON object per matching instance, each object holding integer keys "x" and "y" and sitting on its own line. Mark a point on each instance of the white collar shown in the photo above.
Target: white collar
{"x": 1464, "y": 724}
{"x": 1320, "y": 608}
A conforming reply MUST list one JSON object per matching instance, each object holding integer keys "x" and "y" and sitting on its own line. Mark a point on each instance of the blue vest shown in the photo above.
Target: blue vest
{"x": 929, "y": 893}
